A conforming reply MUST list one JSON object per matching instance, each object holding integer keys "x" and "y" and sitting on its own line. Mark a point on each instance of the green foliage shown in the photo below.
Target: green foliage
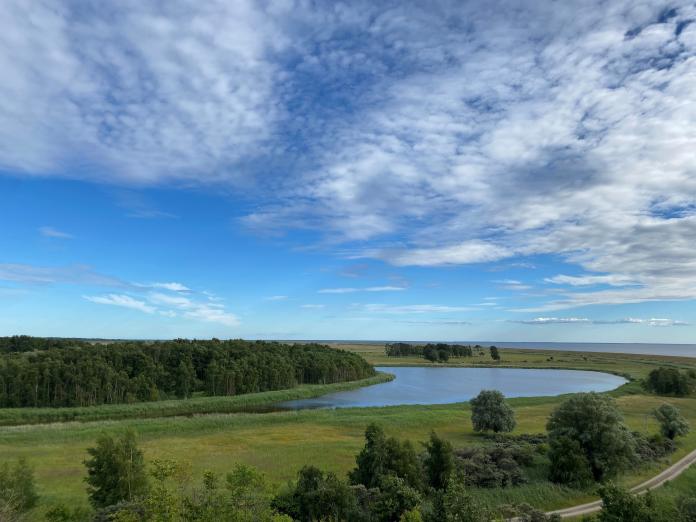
{"x": 495, "y": 355}
{"x": 128, "y": 372}
{"x": 460, "y": 505}
{"x": 490, "y": 412}
{"x": 317, "y": 496}
{"x": 687, "y": 509}
{"x": 569, "y": 464}
{"x": 596, "y": 425}
{"x": 382, "y": 456}
{"x": 491, "y": 467}
{"x": 394, "y": 499}
{"x": 672, "y": 423}
{"x": 652, "y": 448}
{"x": 17, "y": 489}
{"x": 63, "y": 513}
{"x": 412, "y": 515}
{"x": 25, "y": 343}
{"x": 242, "y": 497}
{"x": 438, "y": 461}
{"x": 433, "y": 352}
{"x": 526, "y": 513}
{"x": 115, "y": 471}
{"x": 669, "y": 381}
{"x": 619, "y": 505}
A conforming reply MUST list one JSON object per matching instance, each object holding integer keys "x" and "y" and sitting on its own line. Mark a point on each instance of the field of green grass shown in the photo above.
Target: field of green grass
{"x": 280, "y": 443}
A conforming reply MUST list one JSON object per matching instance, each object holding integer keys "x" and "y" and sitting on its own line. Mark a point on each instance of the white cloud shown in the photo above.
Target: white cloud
{"x": 73, "y": 274}
{"x": 173, "y": 287}
{"x": 556, "y": 320}
{"x": 413, "y": 309}
{"x": 350, "y": 290}
{"x": 512, "y": 284}
{"x": 465, "y": 134}
{"x": 152, "y": 91}
{"x": 584, "y": 320}
{"x": 276, "y": 298}
{"x": 467, "y": 252}
{"x": 54, "y": 233}
{"x": 122, "y": 300}
{"x": 211, "y": 312}
{"x": 312, "y": 306}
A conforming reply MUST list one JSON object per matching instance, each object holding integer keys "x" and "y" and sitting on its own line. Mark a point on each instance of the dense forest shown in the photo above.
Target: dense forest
{"x": 83, "y": 374}
{"x": 26, "y": 343}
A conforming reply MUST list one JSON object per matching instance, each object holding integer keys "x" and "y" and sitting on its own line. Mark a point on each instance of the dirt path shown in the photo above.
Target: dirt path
{"x": 670, "y": 473}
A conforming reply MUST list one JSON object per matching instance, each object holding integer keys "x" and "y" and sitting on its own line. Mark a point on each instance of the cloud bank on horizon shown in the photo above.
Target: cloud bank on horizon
{"x": 426, "y": 137}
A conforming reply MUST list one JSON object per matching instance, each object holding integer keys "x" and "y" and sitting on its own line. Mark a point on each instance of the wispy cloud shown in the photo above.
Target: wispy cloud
{"x": 590, "y": 280}
{"x": 167, "y": 305}
{"x": 512, "y": 284}
{"x": 312, "y": 306}
{"x": 276, "y": 298}
{"x": 54, "y": 233}
{"x": 350, "y": 290}
{"x": 173, "y": 286}
{"x": 413, "y": 309}
{"x": 584, "y": 320}
{"x": 122, "y": 300}
{"x": 74, "y": 274}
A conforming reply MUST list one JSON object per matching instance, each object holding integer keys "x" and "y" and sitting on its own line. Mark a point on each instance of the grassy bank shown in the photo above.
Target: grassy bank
{"x": 280, "y": 443}
{"x": 171, "y": 408}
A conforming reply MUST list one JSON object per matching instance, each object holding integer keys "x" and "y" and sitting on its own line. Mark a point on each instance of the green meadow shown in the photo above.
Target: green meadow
{"x": 280, "y": 443}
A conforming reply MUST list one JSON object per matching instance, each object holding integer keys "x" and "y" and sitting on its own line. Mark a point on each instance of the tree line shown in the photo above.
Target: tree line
{"x": 437, "y": 352}
{"x": 127, "y": 372}
{"x": 670, "y": 381}
{"x": 431, "y": 351}
{"x": 26, "y": 343}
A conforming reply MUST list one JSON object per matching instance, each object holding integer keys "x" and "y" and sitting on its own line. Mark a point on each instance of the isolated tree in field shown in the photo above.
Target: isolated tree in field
{"x": 596, "y": 425}
{"x": 672, "y": 423}
{"x": 490, "y": 412}
{"x": 115, "y": 471}
{"x": 438, "y": 461}
{"x": 495, "y": 355}
{"x": 17, "y": 489}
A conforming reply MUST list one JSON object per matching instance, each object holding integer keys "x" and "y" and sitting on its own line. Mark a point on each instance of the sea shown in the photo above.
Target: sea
{"x": 683, "y": 350}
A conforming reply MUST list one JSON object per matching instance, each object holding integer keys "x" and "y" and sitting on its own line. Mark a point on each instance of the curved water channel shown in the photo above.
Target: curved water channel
{"x": 427, "y": 385}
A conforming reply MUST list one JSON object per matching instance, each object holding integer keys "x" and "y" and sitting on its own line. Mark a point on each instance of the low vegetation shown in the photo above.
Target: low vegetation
{"x": 308, "y": 464}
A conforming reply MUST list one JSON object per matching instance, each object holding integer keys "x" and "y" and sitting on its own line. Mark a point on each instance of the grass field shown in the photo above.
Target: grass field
{"x": 279, "y": 443}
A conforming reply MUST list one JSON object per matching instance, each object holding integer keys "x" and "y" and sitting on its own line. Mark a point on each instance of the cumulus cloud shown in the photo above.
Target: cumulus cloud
{"x": 464, "y": 134}
{"x": 151, "y": 90}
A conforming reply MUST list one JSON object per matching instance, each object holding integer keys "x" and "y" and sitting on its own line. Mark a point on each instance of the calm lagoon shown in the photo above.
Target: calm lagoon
{"x": 427, "y": 385}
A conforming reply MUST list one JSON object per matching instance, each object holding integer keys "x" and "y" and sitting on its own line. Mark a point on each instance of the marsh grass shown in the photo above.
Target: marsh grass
{"x": 280, "y": 443}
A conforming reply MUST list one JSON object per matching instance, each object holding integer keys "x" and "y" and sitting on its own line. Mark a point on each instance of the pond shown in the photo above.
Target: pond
{"x": 427, "y": 385}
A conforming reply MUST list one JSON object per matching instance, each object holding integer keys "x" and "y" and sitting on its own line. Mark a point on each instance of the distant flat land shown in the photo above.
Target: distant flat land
{"x": 280, "y": 443}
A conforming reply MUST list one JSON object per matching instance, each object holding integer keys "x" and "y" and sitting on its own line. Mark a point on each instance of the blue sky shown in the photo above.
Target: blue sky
{"x": 380, "y": 170}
